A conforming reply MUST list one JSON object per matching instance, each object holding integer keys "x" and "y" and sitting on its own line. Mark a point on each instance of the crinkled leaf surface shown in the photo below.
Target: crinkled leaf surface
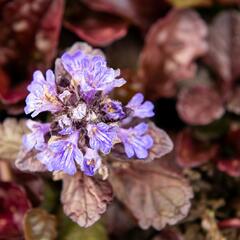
{"x": 11, "y": 132}
{"x": 14, "y": 204}
{"x": 171, "y": 46}
{"x": 85, "y": 198}
{"x": 39, "y": 225}
{"x": 191, "y": 152}
{"x": 69, "y": 230}
{"x": 155, "y": 195}
{"x": 162, "y": 145}
{"x": 200, "y": 105}
{"x": 224, "y": 47}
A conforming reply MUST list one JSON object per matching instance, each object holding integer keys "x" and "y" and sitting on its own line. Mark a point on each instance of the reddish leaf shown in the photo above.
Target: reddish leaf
{"x": 85, "y": 198}
{"x": 139, "y": 12}
{"x": 171, "y": 46}
{"x": 224, "y": 47}
{"x": 14, "y": 204}
{"x": 98, "y": 31}
{"x": 29, "y": 37}
{"x": 233, "y": 102}
{"x": 191, "y": 152}
{"x": 229, "y": 223}
{"x": 200, "y": 105}
{"x": 155, "y": 195}
{"x": 231, "y": 166}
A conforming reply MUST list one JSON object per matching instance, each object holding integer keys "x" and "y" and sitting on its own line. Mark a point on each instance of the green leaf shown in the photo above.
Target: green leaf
{"x": 51, "y": 196}
{"x": 39, "y": 225}
{"x": 190, "y": 3}
{"x": 68, "y": 230}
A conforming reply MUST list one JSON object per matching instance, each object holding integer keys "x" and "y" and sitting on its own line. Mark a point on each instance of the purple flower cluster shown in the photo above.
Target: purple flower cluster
{"x": 86, "y": 123}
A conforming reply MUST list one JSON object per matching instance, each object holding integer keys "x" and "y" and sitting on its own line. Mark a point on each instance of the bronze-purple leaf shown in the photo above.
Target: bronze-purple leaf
{"x": 85, "y": 198}
{"x": 155, "y": 195}
{"x": 171, "y": 46}
{"x": 200, "y": 105}
{"x": 224, "y": 47}
{"x": 27, "y": 162}
{"x": 11, "y": 132}
{"x": 191, "y": 152}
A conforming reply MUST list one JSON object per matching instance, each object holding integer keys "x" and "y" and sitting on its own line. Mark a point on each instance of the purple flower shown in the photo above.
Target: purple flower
{"x": 36, "y": 137}
{"x": 113, "y": 110}
{"x": 91, "y": 72}
{"x": 101, "y": 136}
{"x": 83, "y": 115}
{"x": 91, "y": 162}
{"x": 43, "y": 94}
{"x": 135, "y": 141}
{"x": 140, "y": 109}
{"x": 62, "y": 154}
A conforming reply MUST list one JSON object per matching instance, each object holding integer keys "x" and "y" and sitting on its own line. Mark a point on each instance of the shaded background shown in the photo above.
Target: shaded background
{"x": 184, "y": 55}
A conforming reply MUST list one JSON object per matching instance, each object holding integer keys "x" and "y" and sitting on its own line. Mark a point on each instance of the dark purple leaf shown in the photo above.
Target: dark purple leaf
{"x": 191, "y": 152}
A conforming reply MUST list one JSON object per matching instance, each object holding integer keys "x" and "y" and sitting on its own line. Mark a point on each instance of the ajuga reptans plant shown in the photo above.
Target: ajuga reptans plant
{"x": 89, "y": 135}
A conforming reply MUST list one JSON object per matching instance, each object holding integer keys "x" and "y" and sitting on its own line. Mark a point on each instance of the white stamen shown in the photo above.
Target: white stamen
{"x": 80, "y": 111}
